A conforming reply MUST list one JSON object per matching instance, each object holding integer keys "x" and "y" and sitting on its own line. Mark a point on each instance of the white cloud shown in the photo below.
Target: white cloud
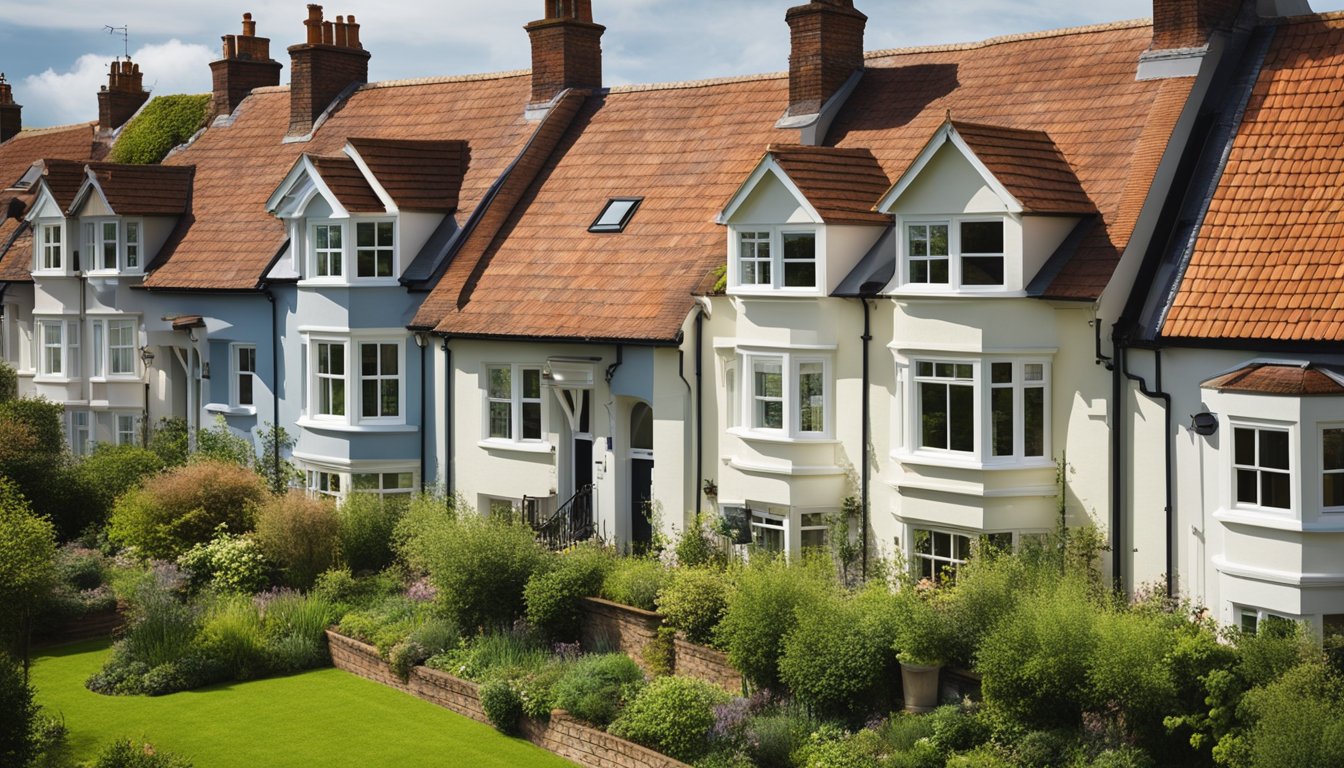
{"x": 54, "y": 98}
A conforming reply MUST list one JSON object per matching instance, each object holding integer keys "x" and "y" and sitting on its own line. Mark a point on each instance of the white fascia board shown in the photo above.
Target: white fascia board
{"x": 90, "y": 182}
{"x": 43, "y": 196}
{"x": 947, "y": 133}
{"x": 301, "y": 167}
{"x": 378, "y": 189}
{"x": 768, "y": 165}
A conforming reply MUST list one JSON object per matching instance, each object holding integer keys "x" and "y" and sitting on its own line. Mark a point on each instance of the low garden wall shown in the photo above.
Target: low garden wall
{"x": 616, "y": 627}
{"x": 95, "y": 626}
{"x": 698, "y": 661}
{"x": 563, "y": 735}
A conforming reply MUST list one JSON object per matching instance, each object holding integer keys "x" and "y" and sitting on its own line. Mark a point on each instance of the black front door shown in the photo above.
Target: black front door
{"x": 641, "y": 490}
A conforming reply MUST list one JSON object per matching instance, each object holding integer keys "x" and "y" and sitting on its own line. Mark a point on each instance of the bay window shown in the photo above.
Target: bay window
{"x": 955, "y": 253}
{"x": 1332, "y": 469}
{"x": 991, "y": 410}
{"x": 380, "y": 380}
{"x": 384, "y": 484}
{"x": 785, "y": 393}
{"x": 513, "y": 403}
{"x": 373, "y": 249}
{"x": 327, "y": 250}
{"x": 50, "y": 247}
{"x": 330, "y": 375}
{"x": 112, "y": 245}
{"x": 58, "y": 341}
{"x": 777, "y": 257}
{"x": 1262, "y": 467}
{"x": 114, "y": 345}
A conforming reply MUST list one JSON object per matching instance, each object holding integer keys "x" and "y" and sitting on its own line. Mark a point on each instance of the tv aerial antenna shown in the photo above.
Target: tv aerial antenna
{"x": 125, "y": 33}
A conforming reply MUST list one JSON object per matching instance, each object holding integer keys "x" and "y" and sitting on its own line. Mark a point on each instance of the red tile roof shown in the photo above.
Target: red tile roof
{"x": 348, "y": 184}
{"x": 144, "y": 190}
{"x": 232, "y": 239}
{"x": 1269, "y": 260}
{"x": 841, "y": 184}
{"x": 1279, "y": 379}
{"x": 417, "y": 175}
{"x": 1029, "y": 166}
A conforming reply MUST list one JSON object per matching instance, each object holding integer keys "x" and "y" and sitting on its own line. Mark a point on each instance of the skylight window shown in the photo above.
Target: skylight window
{"x": 616, "y": 215}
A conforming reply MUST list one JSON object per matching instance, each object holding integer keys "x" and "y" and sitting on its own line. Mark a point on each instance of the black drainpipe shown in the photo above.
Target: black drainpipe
{"x": 422, "y": 341}
{"x": 447, "y": 424}
{"x": 866, "y": 291}
{"x": 275, "y": 383}
{"x": 1167, "y": 439}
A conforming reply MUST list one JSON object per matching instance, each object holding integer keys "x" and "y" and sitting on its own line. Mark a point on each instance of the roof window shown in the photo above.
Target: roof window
{"x": 616, "y": 214}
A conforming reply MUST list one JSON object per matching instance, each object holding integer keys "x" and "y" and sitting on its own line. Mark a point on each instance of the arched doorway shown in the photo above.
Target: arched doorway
{"x": 641, "y": 476}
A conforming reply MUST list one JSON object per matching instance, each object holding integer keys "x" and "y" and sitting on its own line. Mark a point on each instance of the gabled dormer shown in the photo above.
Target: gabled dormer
{"x": 359, "y": 217}
{"x": 802, "y": 220}
{"x": 126, "y": 213}
{"x": 980, "y": 211}
{"x": 56, "y": 183}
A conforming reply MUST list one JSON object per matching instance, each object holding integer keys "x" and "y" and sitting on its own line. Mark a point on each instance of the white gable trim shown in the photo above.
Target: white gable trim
{"x": 303, "y": 166}
{"x": 44, "y": 198}
{"x": 378, "y": 189}
{"x": 947, "y": 133}
{"x": 90, "y": 182}
{"x": 768, "y": 165}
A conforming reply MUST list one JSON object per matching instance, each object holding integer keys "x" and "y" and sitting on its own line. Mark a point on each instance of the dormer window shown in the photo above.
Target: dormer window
{"x": 112, "y": 245}
{"x": 777, "y": 257}
{"x": 373, "y": 248}
{"x": 50, "y": 247}
{"x": 957, "y": 253}
{"x": 374, "y": 252}
{"x": 327, "y": 250}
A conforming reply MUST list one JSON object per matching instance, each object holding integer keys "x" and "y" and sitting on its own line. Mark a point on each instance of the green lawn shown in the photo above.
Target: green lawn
{"x": 322, "y": 718}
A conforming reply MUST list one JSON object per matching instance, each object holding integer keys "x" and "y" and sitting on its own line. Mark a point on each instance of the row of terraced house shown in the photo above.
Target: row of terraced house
{"x": 1090, "y": 275}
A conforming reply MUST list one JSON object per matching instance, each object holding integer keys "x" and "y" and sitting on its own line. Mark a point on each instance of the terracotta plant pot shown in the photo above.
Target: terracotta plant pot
{"x": 920, "y": 682}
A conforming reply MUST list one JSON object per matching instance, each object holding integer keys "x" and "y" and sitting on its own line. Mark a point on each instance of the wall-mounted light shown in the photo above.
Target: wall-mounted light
{"x": 421, "y": 339}
{"x": 147, "y": 356}
{"x": 205, "y": 370}
{"x": 1204, "y": 423}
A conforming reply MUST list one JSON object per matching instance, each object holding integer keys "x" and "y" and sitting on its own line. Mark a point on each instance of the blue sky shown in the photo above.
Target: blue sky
{"x": 55, "y": 53}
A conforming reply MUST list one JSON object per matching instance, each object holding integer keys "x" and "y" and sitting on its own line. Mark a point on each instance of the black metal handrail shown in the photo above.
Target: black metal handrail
{"x": 571, "y": 523}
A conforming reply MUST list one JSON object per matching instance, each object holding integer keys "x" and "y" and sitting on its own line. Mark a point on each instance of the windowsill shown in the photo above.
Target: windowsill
{"x": 231, "y": 410}
{"x": 26, "y": 374}
{"x": 115, "y": 378}
{"x": 776, "y": 293}
{"x": 532, "y": 446}
{"x": 938, "y": 460}
{"x": 53, "y": 380}
{"x": 791, "y": 470}
{"x": 1284, "y": 520}
{"x": 359, "y": 282}
{"x": 944, "y": 292}
{"x": 112, "y": 273}
{"x": 53, "y": 273}
{"x": 755, "y": 435}
{"x": 341, "y": 426}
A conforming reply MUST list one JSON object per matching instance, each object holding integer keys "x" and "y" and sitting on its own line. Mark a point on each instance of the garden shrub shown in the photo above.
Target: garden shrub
{"x": 502, "y": 705}
{"x": 111, "y": 470}
{"x": 832, "y": 747}
{"x": 696, "y": 547}
{"x": 987, "y": 756}
{"x": 594, "y": 687}
{"x": 17, "y": 713}
{"x": 956, "y": 728}
{"x": 9, "y": 382}
{"x": 383, "y": 624}
{"x": 173, "y": 511}
{"x": 33, "y": 457}
{"x": 163, "y": 123}
{"x": 1046, "y": 748}
{"x": 480, "y": 567}
{"x": 1296, "y": 721}
{"x": 168, "y": 440}
{"x": 1130, "y": 671}
{"x": 494, "y": 656}
{"x": 773, "y": 738}
{"x": 231, "y": 635}
{"x": 694, "y": 601}
{"x": 220, "y": 443}
{"x": 298, "y": 533}
{"x": 294, "y": 627}
{"x": 553, "y": 597}
{"x": 429, "y": 639}
{"x": 1123, "y": 757}
{"x": 672, "y": 715}
{"x": 924, "y": 633}
{"x": 366, "y": 523}
{"x": 636, "y": 581}
{"x": 987, "y": 588}
{"x": 159, "y": 629}
{"x": 660, "y": 653}
{"x": 537, "y": 690}
{"x": 135, "y": 754}
{"x": 27, "y": 567}
{"x": 762, "y": 609}
{"x": 227, "y": 563}
{"x": 345, "y": 590}
{"x": 1034, "y": 663}
{"x": 837, "y": 658}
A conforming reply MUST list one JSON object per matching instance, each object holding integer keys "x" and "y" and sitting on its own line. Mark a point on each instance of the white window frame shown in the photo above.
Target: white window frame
{"x": 321, "y": 382}
{"x": 1294, "y": 465}
{"x": 764, "y": 523}
{"x": 125, "y": 351}
{"x": 955, "y": 281}
{"x": 382, "y": 489}
{"x": 981, "y": 454}
{"x": 377, "y": 249}
{"x": 1325, "y": 471}
{"x": 126, "y": 428}
{"x": 238, "y": 374}
{"x": 68, "y": 346}
{"x": 326, "y": 258}
{"x": 49, "y": 256}
{"x": 81, "y": 425}
{"x": 399, "y": 377}
{"x": 324, "y": 482}
{"x": 132, "y": 247}
{"x": 349, "y": 251}
{"x": 935, "y": 561}
{"x": 774, "y": 238}
{"x": 790, "y": 363}
{"x": 1244, "y": 614}
{"x": 516, "y": 401}
{"x": 96, "y": 242}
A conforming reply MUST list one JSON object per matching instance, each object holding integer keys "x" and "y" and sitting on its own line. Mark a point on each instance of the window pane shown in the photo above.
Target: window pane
{"x": 364, "y": 482}
{"x": 982, "y": 270}
{"x": 1033, "y": 421}
{"x": 531, "y": 421}
{"x": 390, "y": 395}
{"x": 1247, "y": 480}
{"x": 961, "y": 407}
{"x": 800, "y": 266}
{"x": 769, "y": 379}
{"x": 369, "y": 397}
{"x": 933, "y": 415}
{"x": 1002, "y": 400}
{"x": 800, "y": 274}
{"x": 1333, "y": 490}
{"x": 364, "y": 235}
{"x": 938, "y": 240}
{"x": 338, "y": 397}
{"x": 964, "y": 371}
{"x": 982, "y": 237}
{"x": 368, "y": 359}
{"x": 500, "y": 415}
{"x": 245, "y": 389}
{"x": 1001, "y": 373}
{"x": 938, "y": 271}
{"x": 811, "y": 415}
{"x": 923, "y": 369}
{"x": 1274, "y": 490}
{"x": 532, "y": 382}
{"x": 769, "y": 414}
{"x": 919, "y": 272}
{"x": 1332, "y": 449}
{"x": 1244, "y": 452}
{"x": 1273, "y": 449}
{"x": 500, "y": 384}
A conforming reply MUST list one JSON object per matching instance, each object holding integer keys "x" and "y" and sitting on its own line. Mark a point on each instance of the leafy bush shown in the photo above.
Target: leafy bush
{"x": 762, "y": 610}
{"x": 773, "y": 738}
{"x": 694, "y": 601}
{"x": 1297, "y": 720}
{"x": 231, "y": 635}
{"x": 298, "y": 533}
{"x": 697, "y": 547}
{"x": 481, "y": 567}
{"x": 17, "y": 713}
{"x": 385, "y": 623}
{"x": 168, "y": 440}
{"x": 988, "y": 586}
{"x": 220, "y": 443}
{"x": 27, "y": 566}
{"x": 294, "y": 627}
{"x": 9, "y": 382}
{"x": 163, "y": 123}
{"x": 553, "y": 596}
{"x": 838, "y": 657}
{"x": 134, "y": 754}
{"x": 159, "y": 629}
{"x": 502, "y": 705}
{"x": 955, "y": 728}
{"x": 495, "y": 656}
{"x": 635, "y": 581}
{"x": 33, "y": 457}
{"x": 1034, "y": 662}
{"x": 185, "y": 506}
{"x": 1130, "y": 671}
{"x": 830, "y": 747}
{"x": 595, "y": 687}
{"x": 672, "y": 715}
{"x": 111, "y": 470}
{"x": 924, "y": 634}
{"x": 227, "y": 563}
{"x": 366, "y": 524}
{"x": 429, "y": 639}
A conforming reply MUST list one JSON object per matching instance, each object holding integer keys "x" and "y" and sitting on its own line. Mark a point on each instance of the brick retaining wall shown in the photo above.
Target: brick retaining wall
{"x": 706, "y": 664}
{"x": 616, "y": 627}
{"x": 563, "y": 735}
{"x": 95, "y": 626}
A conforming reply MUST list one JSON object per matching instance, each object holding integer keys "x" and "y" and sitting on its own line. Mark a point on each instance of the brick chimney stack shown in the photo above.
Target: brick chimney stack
{"x": 247, "y": 64}
{"x": 1181, "y": 24}
{"x": 330, "y": 61}
{"x": 11, "y": 114}
{"x": 122, "y": 96}
{"x": 566, "y": 49}
{"x": 826, "y": 49}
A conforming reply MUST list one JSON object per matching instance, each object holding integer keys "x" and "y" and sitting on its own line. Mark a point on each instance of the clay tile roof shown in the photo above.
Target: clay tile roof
{"x": 418, "y": 175}
{"x": 64, "y": 178}
{"x": 1268, "y": 263}
{"x": 843, "y": 185}
{"x": 1029, "y": 165}
{"x": 348, "y": 184}
{"x": 231, "y": 239}
{"x": 144, "y": 190}
{"x": 1279, "y": 379}
{"x": 16, "y": 263}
